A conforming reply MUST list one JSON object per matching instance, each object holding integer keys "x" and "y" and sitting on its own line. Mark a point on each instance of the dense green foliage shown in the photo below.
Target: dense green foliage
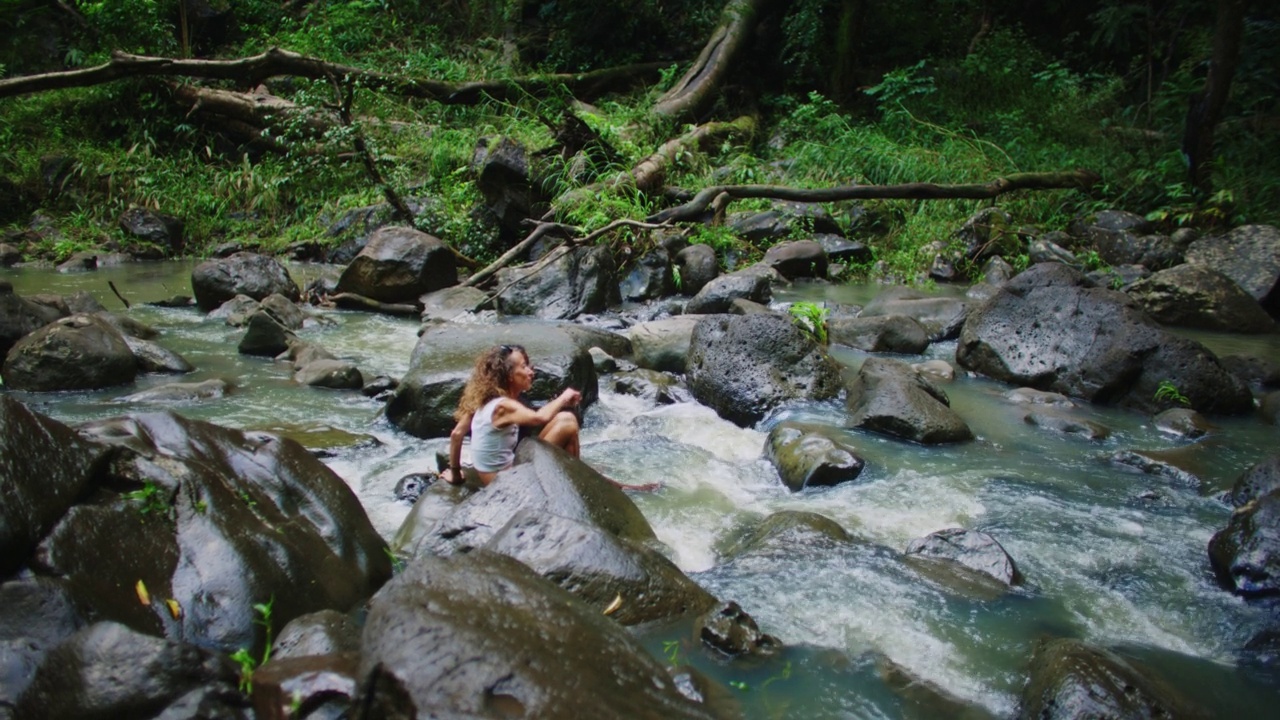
{"x": 847, "y": 91}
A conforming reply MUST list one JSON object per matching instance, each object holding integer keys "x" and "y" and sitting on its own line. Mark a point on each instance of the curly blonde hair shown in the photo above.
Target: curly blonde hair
{"x": 489, "y": 379}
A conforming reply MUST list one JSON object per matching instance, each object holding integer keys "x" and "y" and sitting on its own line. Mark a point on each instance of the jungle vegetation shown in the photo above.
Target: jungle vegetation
{"x": 261, "y": 122}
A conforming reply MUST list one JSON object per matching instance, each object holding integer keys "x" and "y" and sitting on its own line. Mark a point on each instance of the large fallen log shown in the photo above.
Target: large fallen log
{"x": 251, "y": 71}
{"x": 721, "y": 195}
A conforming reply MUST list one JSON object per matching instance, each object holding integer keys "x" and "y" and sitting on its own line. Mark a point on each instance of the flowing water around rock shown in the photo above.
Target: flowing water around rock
{"x": 1110, "y": 556}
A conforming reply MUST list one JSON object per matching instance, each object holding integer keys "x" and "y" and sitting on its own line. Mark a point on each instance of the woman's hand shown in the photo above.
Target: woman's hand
{"x": 570, "y": 397}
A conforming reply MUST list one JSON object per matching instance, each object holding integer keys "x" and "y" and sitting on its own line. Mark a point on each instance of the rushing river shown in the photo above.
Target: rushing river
{"x": 1110, "y": 556}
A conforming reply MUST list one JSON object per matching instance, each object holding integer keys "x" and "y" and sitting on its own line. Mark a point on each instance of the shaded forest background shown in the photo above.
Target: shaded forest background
{"x": 825, "y": 93}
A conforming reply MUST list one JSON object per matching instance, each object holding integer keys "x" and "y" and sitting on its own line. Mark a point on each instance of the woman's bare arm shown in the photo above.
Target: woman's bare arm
{"x": 513, "y": 412}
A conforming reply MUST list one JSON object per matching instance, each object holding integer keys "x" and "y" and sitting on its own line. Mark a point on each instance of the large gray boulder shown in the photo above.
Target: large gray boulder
{"x": 746, "y": 366}
{"x": 663, "y": 344}
{"x": 1050, "y": 329}
{"x": 216, "y": 281}
{"x": 1071, "y": 680}
{"x": 1250, "y": 255}
{"x": 215, "y": 521}
{"x": 442, "y": 360}
{"x": 1245, "y": 555}
{"x": 398, "y": 264}
{"x": 1200, "y": 297}
{"x": 651, "y": 277}
{"x": 544, "y": 479}
{"x": 563, "y": 284}
{"x": 163, "y": 232}
{"x": 718, "y": 295}
{"x": 887, "y": 396}
{"x": 81, "y": 352}
{"x": 46, "y": 468}
{"x": 697, "y": 265}
{"x": 482, "y": 635}
{"x": 797, "y": 259}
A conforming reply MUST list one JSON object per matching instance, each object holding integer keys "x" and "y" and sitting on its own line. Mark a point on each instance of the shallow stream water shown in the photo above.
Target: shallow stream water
{"x": 1110, "y": 556}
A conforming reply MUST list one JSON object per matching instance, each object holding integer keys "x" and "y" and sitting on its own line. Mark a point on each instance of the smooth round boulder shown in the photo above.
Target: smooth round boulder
{"x": 887, "y": 396}
{"x": 785, "y": 530}
{"x": 335, "y": 374}
{"x": 811, "y": 455}
{"x": 216, "y": 281}
{"x": 718, "y": 294}
{"x": 482, "y": 635}
{"x": 1183, "y": 422}
{"x": 1199, "y": 297}
{"x": 264, "y": 336}
{"x": 887, "y": 333}
{"x": 81, "y": 352}
{"x": 798, "y": 259}
{"x": 697, "y": 266}
{"x": 319, "y": 633}
{"x": 1071, "y": 680}
{"x": 651, "y": 278}
{"x": 623, "y": 578}
{"x": 746, "y": 366}
{"x": 975, "y": 550}
{"x": 398, "y": 264}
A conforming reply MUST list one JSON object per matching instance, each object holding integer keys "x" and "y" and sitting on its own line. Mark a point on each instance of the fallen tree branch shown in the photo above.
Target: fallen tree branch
{"x": 276, "y": 62}
{"x": 693, "y": 209}
{"x": 352, "y": 301}
{"x": 647, "y": 175}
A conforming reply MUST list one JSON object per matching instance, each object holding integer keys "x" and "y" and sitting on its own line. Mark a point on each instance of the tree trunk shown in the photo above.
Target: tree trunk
{"x": 694, "y": 209}
{"x": 699, "y": 85}
{"x": 251, "y": 71}
{"x": 1206, "y": 106}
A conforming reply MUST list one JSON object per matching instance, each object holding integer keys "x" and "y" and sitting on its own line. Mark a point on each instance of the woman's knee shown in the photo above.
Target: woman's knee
{"x": 566, "y": 420}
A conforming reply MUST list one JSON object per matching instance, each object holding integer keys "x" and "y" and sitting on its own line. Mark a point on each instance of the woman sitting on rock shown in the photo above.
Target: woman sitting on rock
{"x": 491, "y": 411}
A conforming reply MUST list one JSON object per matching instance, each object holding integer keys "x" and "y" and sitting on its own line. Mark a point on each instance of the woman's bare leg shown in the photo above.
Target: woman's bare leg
{"x": 562, "y": 432}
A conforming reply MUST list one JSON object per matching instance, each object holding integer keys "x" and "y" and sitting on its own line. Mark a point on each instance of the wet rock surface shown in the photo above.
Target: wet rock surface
{"x": 1073, "y": 680}
{"x": 81, "y": 352}
{"x": 1199, "y": 297}
{"x": 975, "y": 550}
{"x": 887, "y": 333}
{"x": 1245, "y": 555}
{"x": 811, "y": 455}
{"x": 1049, "y": 329}
{"x": 214, "y": 282}
{"x": 888, "y": 397}
{"x": 744, "y": 366}
{"x": 397, "y": 265}
{"x": 562, "y": 285}
{"x": 481, "y": 635}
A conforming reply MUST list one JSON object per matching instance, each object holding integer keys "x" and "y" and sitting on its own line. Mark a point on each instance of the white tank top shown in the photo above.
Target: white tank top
{"x": 492, "y": 449}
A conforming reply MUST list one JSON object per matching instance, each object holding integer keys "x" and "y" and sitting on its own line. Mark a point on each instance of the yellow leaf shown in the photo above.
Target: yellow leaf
{"x": 613, "y": 606}
{"x": 174, "y": 608}
{"x": 144, "y": 597}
